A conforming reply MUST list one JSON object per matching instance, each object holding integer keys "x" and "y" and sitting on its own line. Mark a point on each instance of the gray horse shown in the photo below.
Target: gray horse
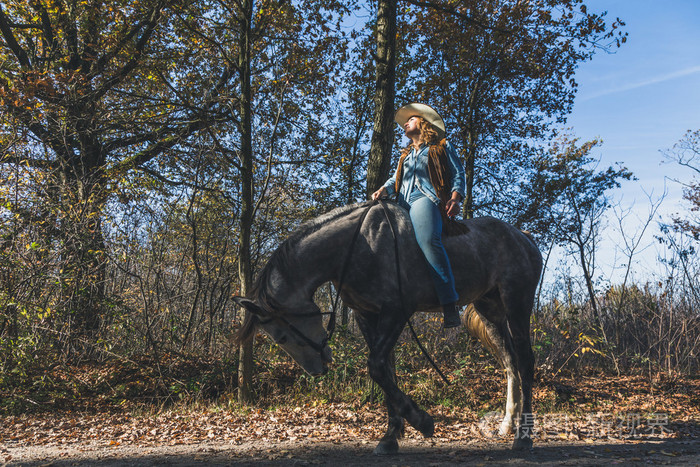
{"x": 496, "y": 269}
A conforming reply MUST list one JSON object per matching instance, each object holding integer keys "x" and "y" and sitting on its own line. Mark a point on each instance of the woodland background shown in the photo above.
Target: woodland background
{"x": 153, "y": 153}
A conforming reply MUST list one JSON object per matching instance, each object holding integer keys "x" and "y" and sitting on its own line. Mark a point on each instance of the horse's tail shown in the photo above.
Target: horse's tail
{"x": 476, "y": 328}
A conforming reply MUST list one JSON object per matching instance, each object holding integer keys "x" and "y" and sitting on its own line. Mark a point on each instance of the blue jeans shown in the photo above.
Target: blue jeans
{"x": 427, "y": 224}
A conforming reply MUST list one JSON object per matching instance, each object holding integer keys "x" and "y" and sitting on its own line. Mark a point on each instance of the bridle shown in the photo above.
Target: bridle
{"x": 318, "y": 347}
{"x": 330, "y": 327}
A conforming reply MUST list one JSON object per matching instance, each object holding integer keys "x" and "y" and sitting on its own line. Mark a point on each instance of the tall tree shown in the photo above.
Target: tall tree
{"x": 385, "y": 91}
{"x": 503, "y": 74}
{"x": 86, "y": 87}
{"x": 565, "y": 201}
{"x": 245, "y": 270}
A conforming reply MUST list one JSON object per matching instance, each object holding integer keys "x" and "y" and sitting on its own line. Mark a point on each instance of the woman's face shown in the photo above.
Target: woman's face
{"x": 412, "y": 126}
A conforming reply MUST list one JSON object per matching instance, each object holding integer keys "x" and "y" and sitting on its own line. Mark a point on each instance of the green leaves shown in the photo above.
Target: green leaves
{"x": 504, "y": 78}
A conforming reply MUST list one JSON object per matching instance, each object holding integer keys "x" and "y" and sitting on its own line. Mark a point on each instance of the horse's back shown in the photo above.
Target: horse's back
{"x": 488, "y": 241}
{"x": 493, "y": 251}
{"x": 491, "y": 254}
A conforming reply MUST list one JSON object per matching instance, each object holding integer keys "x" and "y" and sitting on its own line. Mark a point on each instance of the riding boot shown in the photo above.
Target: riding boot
{"x": 451, "y": 317}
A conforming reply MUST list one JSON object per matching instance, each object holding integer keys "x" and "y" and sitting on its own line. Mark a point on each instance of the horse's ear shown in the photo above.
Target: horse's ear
{"x": 250, "y": 306}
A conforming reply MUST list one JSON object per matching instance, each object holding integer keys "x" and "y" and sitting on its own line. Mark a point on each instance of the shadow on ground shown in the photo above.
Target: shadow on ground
{"x": 413, "y": 453}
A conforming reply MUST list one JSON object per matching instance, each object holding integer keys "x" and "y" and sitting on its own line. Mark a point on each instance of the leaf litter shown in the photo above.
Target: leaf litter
{"x": 591, "y": 410}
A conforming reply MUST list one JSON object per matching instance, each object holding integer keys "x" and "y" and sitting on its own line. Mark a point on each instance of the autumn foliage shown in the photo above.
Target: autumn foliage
{"x": 154, "y": 153}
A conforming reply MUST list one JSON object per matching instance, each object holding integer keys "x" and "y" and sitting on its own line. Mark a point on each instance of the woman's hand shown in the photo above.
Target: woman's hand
{"x": 453, "y": 204}
{"x": 380, "y": 193}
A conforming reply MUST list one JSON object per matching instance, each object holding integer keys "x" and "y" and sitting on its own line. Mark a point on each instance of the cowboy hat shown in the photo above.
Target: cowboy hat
{"x": 422, "y": 110}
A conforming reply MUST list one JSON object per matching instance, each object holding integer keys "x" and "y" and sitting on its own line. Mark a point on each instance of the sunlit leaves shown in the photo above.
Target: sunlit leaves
{"x": 565, "y": 185}
{"x": 504, "y": 76}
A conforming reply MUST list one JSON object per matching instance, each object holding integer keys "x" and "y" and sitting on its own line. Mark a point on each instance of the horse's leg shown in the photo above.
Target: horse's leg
{"x": 497, "y": 330}
{"x": 403, "y": 406}
{"x": 501, "y": 340}
{"x": 513, "y": 404}
{"x": 395, "y": 430}
{"x": 381, "y": 339}
{"x": 519, "y": 307}
{"x": 389, "y": 443}
{"x": 526, "y": 365}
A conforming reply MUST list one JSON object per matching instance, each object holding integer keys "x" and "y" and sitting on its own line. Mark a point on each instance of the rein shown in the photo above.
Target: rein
{"x": 403, "y": 306}
{"x": 346, "y": 264}
{"x": 330, "y": 329}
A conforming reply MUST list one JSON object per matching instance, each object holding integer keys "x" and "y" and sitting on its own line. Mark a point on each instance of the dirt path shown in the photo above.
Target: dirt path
{"x": 615, "y": 425}
{"x": 414, "y": 452}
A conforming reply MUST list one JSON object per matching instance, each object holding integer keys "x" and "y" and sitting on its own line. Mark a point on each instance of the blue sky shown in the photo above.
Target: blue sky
{"x": 641, "y": 100}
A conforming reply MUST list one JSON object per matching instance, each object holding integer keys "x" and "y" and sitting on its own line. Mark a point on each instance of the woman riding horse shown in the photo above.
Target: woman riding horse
{"x": 430, "y": 183}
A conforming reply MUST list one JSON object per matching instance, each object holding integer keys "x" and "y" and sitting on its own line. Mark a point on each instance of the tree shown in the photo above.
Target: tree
{"x": 565, "y": 200}
{"x": 687, "y": 153}
{"x": 385, "y": 91}
{"x": 630, "y": 246}
{"x": 99, "y": 97}
{"x": 682, "y": 233}
{"x": 503, "y": 74}
{"x": 92, "y": 89}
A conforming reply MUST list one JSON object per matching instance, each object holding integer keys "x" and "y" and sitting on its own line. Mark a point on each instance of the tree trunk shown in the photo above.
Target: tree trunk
{"x": 80, "y": 202}
{"x": 245, "y": 273}
{"x": 383, "y": 130}
{"x": 469, "y": 138}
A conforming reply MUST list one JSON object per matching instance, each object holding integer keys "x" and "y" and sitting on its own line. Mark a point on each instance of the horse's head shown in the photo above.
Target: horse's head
{"x": 299, "y": 332}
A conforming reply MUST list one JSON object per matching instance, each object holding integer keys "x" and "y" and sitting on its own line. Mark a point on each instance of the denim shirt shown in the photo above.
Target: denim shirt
{"x": 415, "y": 175}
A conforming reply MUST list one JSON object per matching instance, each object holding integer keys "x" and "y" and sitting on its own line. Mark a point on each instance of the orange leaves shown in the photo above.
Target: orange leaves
{"x": 330, "y": 423}
{"x": 28, "y": 92}
{"x": 601, "y": 412}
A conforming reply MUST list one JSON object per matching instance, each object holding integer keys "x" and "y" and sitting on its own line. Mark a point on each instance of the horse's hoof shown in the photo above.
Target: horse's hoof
{"x": 427, "y": 426}
{"x": 387, "y": 447}
{"x": 506, "y": 428}
{"x": 522, "y": 443}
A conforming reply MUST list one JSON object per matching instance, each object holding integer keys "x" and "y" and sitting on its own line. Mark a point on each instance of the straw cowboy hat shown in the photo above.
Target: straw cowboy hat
{"x": 421, "y": 110}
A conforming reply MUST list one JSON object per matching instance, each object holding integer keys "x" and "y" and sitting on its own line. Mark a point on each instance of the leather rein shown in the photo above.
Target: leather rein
{"x": 330, "y": 329}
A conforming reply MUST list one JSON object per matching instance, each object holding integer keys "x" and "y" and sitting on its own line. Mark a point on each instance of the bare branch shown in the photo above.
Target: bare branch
{"x": 454, "y": 12}
{"x": 11, "y": 41}
{"x": 148, "y": 28}
{"x": 27, "y": 161}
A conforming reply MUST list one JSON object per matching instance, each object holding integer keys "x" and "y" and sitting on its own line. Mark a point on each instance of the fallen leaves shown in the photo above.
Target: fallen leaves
{"x": 338, "y": 423}
{"x": 592, "y": 408}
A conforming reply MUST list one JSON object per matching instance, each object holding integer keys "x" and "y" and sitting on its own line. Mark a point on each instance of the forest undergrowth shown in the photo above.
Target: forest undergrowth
{"x": 176, "y": 398}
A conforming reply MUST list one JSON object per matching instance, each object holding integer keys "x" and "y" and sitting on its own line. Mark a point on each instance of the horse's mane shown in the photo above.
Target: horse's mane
{"x": 313, "y": 224}
{"x": 280, "y": 258}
